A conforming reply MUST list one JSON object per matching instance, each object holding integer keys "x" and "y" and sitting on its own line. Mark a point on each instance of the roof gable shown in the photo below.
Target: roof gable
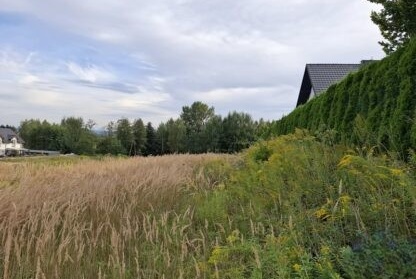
{"x": 7, "y": 134}
{"x": 322, "y": 76}
{"x": 319, "y": 77}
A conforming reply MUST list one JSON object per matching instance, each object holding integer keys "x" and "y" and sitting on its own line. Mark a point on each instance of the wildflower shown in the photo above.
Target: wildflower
{"x": 233, "y": 237}
{"x": 345, "y": 161}
{"x": 345, "y": 199}
{"x": 325, "y": 250}
{"x": 218, "y": 255}
{"x": 322, "y": 214}
{"x": 297, "y": 267}
{"x": 396, "y": 172}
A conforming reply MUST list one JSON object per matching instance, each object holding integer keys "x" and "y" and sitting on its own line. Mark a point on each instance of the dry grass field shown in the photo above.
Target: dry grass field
{"x": 85, "y": 218}
{"x": 291, "y": 207}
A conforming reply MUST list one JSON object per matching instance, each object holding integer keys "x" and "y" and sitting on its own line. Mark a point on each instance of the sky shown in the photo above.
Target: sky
{"x": 108, "y": 59}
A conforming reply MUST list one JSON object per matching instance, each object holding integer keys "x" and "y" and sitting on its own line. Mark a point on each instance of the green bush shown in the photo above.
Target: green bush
{"x": 382, "y": 93}
{"x": 299, "y": 207}
{"x": 382, "y": 256}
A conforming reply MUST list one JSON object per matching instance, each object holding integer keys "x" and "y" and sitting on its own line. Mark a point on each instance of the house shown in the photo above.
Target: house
{"x": 319, "y": 77}
{"x": 10, "y": 142}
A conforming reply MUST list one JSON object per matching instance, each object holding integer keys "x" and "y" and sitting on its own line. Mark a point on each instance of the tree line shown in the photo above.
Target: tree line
{"x": 197, "y": 130}
{"x": 375, "y": 106}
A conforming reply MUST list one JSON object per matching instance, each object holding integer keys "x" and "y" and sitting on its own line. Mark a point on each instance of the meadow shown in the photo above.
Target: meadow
{"x": 296, "y": 206}
{"x": 74, "y": 217}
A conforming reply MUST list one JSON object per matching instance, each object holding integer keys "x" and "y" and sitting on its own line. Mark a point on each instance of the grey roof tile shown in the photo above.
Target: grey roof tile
{"x": 7, "y": 134}
{"x": 323, "y": 76}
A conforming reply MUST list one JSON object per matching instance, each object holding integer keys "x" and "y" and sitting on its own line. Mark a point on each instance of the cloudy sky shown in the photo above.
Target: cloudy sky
{"x": 107, "y": 59}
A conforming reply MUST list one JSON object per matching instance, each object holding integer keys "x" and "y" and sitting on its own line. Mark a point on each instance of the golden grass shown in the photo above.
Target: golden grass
{"x": 96, "y": 218}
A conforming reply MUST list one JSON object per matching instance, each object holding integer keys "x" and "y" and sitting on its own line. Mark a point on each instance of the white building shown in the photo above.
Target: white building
{"x": 10, "y": 143}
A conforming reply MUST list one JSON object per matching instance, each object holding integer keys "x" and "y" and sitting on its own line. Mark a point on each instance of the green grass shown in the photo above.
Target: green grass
{"x": 298, "y": 208}
{"x": 291, "y": 207}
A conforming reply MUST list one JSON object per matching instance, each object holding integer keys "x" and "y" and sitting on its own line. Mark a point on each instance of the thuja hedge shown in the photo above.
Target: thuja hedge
{"x": 379, "y": 99}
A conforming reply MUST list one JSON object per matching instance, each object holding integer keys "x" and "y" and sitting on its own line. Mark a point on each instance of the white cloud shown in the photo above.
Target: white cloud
{"x": 90, "y": 73}
{"x": 11, "y": 62}
{"x": 244, "y": 55}
{"x": 28, "y": 79}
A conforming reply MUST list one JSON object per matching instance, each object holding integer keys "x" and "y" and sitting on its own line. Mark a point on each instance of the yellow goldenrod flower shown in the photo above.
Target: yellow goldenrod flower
{"x": 297, "y": 267}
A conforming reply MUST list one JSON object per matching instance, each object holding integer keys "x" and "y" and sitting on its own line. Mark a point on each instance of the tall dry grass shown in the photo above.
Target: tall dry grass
{"x": 98, "y": 218}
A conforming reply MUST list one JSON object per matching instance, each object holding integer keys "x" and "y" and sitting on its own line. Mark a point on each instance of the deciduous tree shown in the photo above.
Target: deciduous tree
{"x": 139, "y": 136}
{"x": 397, "y": 22}
{"x": 125, "y": 135}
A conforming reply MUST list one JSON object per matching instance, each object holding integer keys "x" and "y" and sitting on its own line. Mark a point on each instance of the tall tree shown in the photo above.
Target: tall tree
{"x": 109, "y": 143}
{"x": 151, "y": 146}
{"x": 41, "y": 135}
{"x": 195, "y": 118}
{"x": 239, "y": 131}
{"x": 77, "y": 137}
{"x": 162, "y": 138}
{"x": 139, "y": 136}
{"x": 26, "y": 129}
{"x": 212, "y": 134}
{"x": 111, "y": 129}
{"x": 125, "y": 135}
{"x": 397, "y": 22}
{"x": 176, "y": 131}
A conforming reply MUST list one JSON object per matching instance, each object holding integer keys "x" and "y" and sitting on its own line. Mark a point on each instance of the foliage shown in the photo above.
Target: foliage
{"x": 377, "y": 100}
{"x": 176, "y": 131}
{"x": 125, "y": 135}
{"x": 139, "y": 136}
{"x": 198, "y": 130}
{"x": 397, "y": 22}
{"x": 239, "y": 132}
{"x": 152, "y": 144}
{"x": 297, "y": 206}
{"x": 77, "y": 136}
{"x": 300, "y": 208}
{"x": 41, "y": 135}
{"x": 110, "y": 145}
{"x": 196, "y": 116}
{"x": 213, "y": 132}
{"x": 382, "y": 256}
{"x": 162, "y": 138}
{"x": 195, "y": 119}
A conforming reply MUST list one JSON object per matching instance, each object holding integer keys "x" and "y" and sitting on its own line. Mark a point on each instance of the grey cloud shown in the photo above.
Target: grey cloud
{"x": 201, "y": 46}
{"x": 113, "y": 86}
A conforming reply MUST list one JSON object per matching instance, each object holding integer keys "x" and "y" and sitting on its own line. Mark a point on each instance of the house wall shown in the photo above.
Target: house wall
{"x": 14, "y": 145}
{"x": 2, "y": 149}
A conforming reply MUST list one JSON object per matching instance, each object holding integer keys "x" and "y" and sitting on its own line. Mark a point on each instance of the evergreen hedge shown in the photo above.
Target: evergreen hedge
{"x": 377, "y": 105}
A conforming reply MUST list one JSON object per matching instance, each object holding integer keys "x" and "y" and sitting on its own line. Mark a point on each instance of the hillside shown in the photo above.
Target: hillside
{"x": 375, "y": 106}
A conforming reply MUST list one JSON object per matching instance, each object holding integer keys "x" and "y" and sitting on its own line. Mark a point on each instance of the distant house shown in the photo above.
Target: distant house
{"x": 319, "y": 77}
{"x": 10, "y": 142}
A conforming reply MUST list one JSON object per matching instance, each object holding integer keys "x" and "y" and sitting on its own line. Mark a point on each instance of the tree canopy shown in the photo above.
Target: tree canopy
{"x": 374, "y": 107}
{"x": 397, "y": 22}
{"x": 197, "y": 130}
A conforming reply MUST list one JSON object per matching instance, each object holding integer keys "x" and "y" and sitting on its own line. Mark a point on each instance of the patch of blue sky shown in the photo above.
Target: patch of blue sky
{"x": 56, "y": 47}
{"x": 11, "y": 19}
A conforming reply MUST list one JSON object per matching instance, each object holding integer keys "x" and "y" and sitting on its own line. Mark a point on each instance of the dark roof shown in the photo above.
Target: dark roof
{"x": 324, "y": 75}
{"x": 7, "y": 134}
{"x": 320, "y": 77}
